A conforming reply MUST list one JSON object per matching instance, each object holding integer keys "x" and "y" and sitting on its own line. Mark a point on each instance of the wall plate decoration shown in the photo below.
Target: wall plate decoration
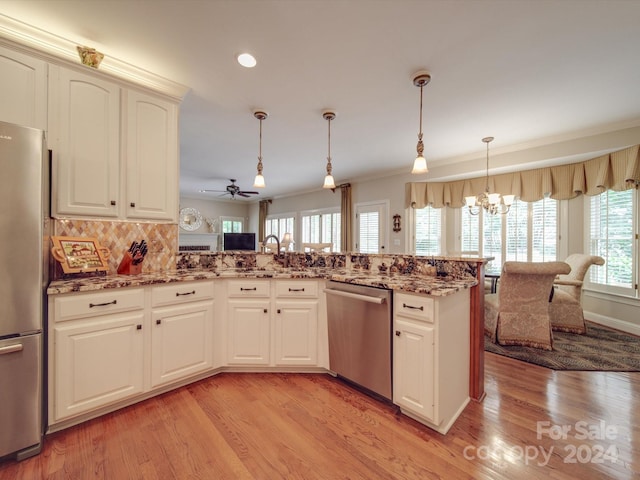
{"x": 190, "y": 219}
{"x": 80, "y": 254}
{"x": 396, "y": 223}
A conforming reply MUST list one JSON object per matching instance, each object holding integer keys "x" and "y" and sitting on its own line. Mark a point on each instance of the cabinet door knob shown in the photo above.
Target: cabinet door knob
{"x": 265, "y": 310}
{"x": 113, "y": 202}
{"x": 278, "y": 310}
{"x": 158, "y": 322}
{"x": 397, "y": 333}
{"x": 133, "y": 204}
{"x": 138, "y": 327}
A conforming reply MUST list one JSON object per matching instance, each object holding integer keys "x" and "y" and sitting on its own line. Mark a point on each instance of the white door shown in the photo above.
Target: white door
{"x": 371, "y": 227}
{"x": 249, "y": 332}
{"x": 97, "y": 362}
{"x": 181, "y": 342}
{"x": 413, "y": 368}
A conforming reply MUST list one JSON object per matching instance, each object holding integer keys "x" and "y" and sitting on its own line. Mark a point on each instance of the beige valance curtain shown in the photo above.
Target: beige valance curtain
{"x": 615, "y": 171}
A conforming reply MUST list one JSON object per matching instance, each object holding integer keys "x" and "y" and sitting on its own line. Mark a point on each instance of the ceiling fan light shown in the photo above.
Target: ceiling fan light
{"x": 329, "y": 182}
{"x": 258, "y": 182}
{"x": 420, "y": 165}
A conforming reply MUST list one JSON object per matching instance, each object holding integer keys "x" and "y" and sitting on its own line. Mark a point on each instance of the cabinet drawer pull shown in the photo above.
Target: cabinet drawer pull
{"x": 192, "y": 292}
{"x": 91, "y": 305}
{"x": 296, "y": 289}
{"x": 242, "y": 289}
{"x": 421, "y": 307}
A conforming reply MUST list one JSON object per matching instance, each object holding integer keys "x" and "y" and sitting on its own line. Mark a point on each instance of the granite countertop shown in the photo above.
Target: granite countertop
{"x": 436, "y": 286}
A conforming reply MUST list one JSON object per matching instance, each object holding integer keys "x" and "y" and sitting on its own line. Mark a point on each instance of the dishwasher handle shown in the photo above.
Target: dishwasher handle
{"x": 356, "y": 296}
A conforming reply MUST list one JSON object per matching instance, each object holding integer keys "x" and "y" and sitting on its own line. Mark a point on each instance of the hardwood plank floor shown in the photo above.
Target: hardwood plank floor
{"x": 312, "y": 426}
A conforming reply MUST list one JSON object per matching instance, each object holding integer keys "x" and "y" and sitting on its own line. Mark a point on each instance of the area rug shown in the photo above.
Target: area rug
{"x": 601, "y": 349}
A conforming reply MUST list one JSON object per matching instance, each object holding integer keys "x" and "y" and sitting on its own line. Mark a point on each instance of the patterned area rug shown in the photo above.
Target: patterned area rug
{"x": 601, "y": 349}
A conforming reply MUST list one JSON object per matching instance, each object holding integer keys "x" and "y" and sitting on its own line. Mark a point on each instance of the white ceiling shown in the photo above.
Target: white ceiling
{"x": 525, "y": 72}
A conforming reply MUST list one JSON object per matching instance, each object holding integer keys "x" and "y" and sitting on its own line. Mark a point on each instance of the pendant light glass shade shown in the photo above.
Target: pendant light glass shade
{"x": 258, "y": 182}
{"x": 328, "y": 179}
{"x": 420, "y": 79}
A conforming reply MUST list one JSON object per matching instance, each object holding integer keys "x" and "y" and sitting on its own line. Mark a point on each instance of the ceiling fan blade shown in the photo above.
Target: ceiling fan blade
{"x": 249, "y": 193}
{"x": 214, "y": 191}
{"x": 242, "y": 194}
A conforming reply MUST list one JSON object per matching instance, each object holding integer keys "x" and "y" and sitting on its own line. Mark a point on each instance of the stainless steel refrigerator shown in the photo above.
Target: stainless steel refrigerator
{"x": 23, "y": 277}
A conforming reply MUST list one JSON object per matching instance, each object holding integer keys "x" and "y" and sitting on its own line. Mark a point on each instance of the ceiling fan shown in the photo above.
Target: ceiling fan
{"x": 233, "y": 190}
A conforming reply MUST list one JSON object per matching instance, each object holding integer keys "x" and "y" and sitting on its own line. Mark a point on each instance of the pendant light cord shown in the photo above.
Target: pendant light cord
{"x": 420, "y": 133}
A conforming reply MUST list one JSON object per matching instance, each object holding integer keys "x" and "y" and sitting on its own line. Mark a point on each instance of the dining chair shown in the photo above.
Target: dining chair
{"x": 566, "y": 307}
{"x": 519, "y": 313}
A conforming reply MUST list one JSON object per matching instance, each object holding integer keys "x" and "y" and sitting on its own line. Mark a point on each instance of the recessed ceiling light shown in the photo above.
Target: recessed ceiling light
{"x": 247, "y": 60}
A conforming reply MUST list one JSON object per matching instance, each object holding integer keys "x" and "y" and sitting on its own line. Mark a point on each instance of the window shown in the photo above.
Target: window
{"x": 528, "y": 233}
{"x": 278, "y": 226}
{"x": 371, "y": 227}
{"x": 321, "y": 227}
{"x": 232, "y": 224}
{"x": 428, "y": 231}
{"x": 611, "y": 228}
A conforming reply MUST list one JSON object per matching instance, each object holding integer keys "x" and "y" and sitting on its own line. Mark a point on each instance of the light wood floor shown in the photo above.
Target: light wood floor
{"x": 272, "y": 426}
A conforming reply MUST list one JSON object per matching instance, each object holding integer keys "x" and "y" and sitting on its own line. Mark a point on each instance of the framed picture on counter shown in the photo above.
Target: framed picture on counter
{"x": 80, "y": 254}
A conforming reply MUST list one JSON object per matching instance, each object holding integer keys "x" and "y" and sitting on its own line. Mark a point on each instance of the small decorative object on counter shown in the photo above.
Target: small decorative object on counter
{"x": 80, "y": 254}
{"x": 131, "y": 263}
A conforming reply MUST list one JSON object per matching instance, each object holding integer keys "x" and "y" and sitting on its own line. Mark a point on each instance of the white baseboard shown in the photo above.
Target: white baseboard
{"x": 633, "y": 329}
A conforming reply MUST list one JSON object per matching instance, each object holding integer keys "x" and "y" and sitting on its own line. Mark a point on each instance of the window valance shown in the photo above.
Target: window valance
{"x": 614, "y": 171}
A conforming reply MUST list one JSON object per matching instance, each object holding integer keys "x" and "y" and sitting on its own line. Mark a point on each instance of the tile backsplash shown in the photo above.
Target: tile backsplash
{"x": 118, "y": 236}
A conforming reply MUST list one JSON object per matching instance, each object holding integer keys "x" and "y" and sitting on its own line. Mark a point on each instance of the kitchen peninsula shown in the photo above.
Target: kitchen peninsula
{"x": 117, "y": 339}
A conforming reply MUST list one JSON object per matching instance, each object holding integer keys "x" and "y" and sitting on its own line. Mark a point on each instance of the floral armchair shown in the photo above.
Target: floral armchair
{"x": 566, "y": 309}
{"x": 519, "y": 313}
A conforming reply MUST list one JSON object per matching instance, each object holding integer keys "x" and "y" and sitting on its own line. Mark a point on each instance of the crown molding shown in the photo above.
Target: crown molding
{"x": 54, "y": 48}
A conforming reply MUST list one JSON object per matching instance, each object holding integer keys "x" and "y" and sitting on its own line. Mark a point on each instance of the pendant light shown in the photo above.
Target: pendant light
{"x": 490, "y": 202}
{"x": 259, "y": 180}
{"x": 420, "y": 79}
{"x": 328, "y": 179}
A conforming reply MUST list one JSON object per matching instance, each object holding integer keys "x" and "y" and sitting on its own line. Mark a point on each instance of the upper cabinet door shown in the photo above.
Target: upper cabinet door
{"x": 152, "y": 158}
{"x": 23, "y": 89}
{"x": 84, "y": 130}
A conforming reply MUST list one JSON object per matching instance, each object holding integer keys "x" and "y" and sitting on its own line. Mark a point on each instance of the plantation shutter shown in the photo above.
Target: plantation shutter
{"x": 369, "y": 224}
{"x": 470, "y": 232}
{"x": 517, "y": 232}
{"x": 428, "y": 231}
{"x": 544, "y": 230}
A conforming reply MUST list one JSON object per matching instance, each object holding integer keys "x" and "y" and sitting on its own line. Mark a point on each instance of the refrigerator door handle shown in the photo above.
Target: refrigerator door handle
{"x": 11, "y": 349}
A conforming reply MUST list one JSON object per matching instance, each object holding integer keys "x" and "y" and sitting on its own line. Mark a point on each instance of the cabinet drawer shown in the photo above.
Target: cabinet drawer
{"x": 414, "y": 306}
{"x": 296, "y": 288}
{"x": 181, "y": 293}
{"x": 248, "y": 288}
{"x": 83, "y": 305}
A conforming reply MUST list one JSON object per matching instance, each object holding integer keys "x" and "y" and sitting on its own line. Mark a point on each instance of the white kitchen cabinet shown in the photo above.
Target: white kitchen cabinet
{"x": 431, "y": 357}
{"x": 23, "y": 89}
{"x": 296, "y": 322}
{"x": 115, "y": 149}
{"x": 248, "y": 327}
{"x": 84, "y": 134}
{"x": 96, "y": 351}
{"x": 181, "y": 331}
{"x": 152, "y": 157}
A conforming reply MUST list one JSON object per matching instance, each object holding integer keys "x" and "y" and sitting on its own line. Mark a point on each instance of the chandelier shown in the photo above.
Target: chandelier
{"x": 490, "y": 202}
{"x": 420, "y": 163}
{"x": 328, "y": 179}
{"x": 259, "y": 180}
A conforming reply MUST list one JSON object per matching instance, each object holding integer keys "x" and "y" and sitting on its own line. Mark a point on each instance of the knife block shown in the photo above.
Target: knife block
{"x": 127, "y": 267}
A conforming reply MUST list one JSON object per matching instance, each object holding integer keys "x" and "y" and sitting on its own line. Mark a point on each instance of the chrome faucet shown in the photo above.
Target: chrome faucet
{"x": 264, "y": 242}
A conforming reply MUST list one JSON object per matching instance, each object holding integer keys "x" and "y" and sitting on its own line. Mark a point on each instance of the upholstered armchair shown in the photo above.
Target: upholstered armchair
{"x": 566, "y": 308}
{"x": 519, "y": 313}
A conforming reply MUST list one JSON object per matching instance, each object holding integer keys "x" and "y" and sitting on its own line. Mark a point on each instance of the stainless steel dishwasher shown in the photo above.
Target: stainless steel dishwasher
{"x": 359, "y": 322}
